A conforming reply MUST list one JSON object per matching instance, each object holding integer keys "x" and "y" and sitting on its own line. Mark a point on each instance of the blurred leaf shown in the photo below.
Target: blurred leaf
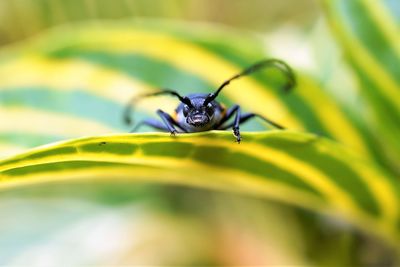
{"x": 299, "y": 169}
{"x": 75, "y": 81}
{"x": 78, "y": 79}
{"x": 22, "y": 18}
{"x": 146, "y": 224}
{"x": 369, "y": 32}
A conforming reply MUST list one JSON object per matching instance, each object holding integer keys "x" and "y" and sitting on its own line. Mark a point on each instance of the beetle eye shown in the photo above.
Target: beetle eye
{"x": 209, "y": 109}
{"x": 185, "y": 110}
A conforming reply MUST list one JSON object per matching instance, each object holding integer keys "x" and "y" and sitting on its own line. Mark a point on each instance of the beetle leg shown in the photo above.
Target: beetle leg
{"x": 229, "y": 113}
{"x": 248, "y": 116}
{"x": 133, "y": 101}
{"x": 152, "y": 123}
{"x": 235, "y": 128}
{"x": 174, "y": 122}
{"x": 169, "y": 122}
{"x": 234, "y": 110}
{"x": 245, "y": 117}
{"x": 166, "y": 124}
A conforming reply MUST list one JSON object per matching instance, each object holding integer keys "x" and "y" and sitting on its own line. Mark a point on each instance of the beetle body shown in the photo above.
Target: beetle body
{"x": 199, "y": 118}
{"x": 201, "y": 112}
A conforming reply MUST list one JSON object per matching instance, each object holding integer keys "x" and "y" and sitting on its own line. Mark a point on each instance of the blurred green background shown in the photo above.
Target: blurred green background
{"x": 116, "y": 223}
{"x": 23, "y": 18}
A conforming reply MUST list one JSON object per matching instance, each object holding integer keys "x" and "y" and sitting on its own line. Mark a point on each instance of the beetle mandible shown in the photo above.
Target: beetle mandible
{"x": 201, "y": 112}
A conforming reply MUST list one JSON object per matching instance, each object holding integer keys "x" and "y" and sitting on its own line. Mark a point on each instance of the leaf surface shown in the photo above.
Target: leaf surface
{"x": 299, "y": 169}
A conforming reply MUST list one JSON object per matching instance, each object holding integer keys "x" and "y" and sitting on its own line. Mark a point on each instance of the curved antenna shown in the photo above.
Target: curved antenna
{"x": 135, "y": 99}
{"x": 268, "y": 63}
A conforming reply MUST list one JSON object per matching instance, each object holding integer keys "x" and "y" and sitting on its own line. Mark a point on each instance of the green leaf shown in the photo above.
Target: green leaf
{"x": 370, "y": 35}
{"x": 79, "y": 79}
{"x": 299, "y": 169}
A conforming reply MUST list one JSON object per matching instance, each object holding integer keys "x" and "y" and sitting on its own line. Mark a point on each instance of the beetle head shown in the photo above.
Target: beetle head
{"x": 198, "y": 114}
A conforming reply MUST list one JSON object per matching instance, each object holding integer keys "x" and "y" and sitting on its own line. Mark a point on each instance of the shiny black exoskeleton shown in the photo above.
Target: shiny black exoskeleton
{"x": 201, "y": 112}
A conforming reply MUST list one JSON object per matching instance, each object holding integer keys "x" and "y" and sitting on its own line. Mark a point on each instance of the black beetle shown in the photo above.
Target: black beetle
{"x": 201, "y": 112}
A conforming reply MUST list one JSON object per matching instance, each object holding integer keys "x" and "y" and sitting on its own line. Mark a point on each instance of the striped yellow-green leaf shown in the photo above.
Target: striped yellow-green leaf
{"x": 77, "y": 80}
{"x": 300, "y": 169}
{"x": 24, "y": 18}
{"x": 369, "y": 32}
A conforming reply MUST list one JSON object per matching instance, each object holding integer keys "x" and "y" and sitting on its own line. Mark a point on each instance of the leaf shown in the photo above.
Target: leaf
{"x": 370, "y": 35}
{"x": 25, "y": 18}
{"x": 81, "y": 78}
{"x": 300, "y": 169}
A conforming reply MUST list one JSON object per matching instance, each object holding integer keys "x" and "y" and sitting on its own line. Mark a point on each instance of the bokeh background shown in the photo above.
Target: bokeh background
{"x": 117, "y": 223}
{"x": 23, "y": 18}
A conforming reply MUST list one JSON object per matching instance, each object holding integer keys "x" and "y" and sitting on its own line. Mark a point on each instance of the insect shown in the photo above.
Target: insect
{"x": 202, "y": 112}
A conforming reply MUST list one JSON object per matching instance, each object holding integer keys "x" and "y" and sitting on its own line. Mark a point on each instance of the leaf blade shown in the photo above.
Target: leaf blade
{"x": 268, "y": 164}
